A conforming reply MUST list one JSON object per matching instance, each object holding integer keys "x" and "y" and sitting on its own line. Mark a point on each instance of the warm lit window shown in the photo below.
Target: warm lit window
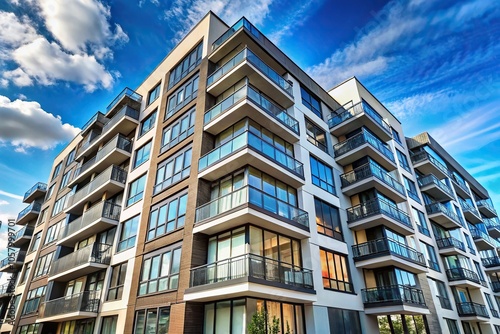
{"x": 328, "y": 219}
{"x": 335, "y": 271}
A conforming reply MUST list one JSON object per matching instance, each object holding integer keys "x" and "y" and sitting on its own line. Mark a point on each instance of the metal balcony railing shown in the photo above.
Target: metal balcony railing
{"x": 250, "y": 265}
{"x": 360, "y": 139}
{"x": 423, "y": 155}
{"x": 393, "y": 294}
{"x": 13, "y": 258}
{"x": 367, "y": 171}
{"x": 440, "y": 208}
{"x": 93, "y": 253}
{"x": 87, "y": 301}
{"x": 386, "y": 246}
{"x": 458, "y": 274}
{"x": 461, "y": 183}
{"x": 489, "y": 262}
{"x": 39, "y": 186}
{"x": 242, "y": 23}
{"x": 125, "y": 111}
{"x": 431, "y": 179}
{"x": 7, "y": 288}
{"x": 478, "y": 234}
{"x": 472, "y": 309}
{"x": 358, "y": 109}
{"x": 468, "y": 207}
{"x": 125, "y": 92}
{"x": 92, "y": 137}
{"x": 97, "y": 116}
{"x": 34, "y": 207}
{"x": 450, "y": 242}
{"x": 375, "y": 207}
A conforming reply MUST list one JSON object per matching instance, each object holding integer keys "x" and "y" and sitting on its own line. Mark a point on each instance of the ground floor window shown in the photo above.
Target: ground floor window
{"x": 343, "y": 321}
{"x": 153, "y": 320}
{"x": 28, "y": 329}
{"x": 401, "y": 323}
{"x": 78, "y": 327}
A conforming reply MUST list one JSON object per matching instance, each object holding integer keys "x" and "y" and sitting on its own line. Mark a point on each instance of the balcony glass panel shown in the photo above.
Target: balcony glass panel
{"x": 125, "y": 92}
{"x": 87, "y": 301}
{"x": 450, "y": 243}
{"x": 93, "y": 253}
{"x": 375, "y": 207}
{"x": 34, "y": 207}
{"x": 369, "y": 170}
{"x": 489, "y": 262}
{"x": 474, "y": 309}
{"x": 360, "y": 139}
{"x": 384, "y": 246}
{"x": 431, "y": 179}
{"x": 26, "y": 231}
{"x": 358, "y": 109}
{"x": 440, "y": 208}
{"x": 13, "y": 258}
{"x": 231, "y": 31}
{"x": 423, "y": 155}
{"x": 393, "y": 293}
{"x": 37, "y": 187}
{"x": 482, "y": 203}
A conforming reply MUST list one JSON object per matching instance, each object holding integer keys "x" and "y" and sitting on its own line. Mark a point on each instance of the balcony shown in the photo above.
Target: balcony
{"x": 13, "y": 262}
{"x": 114, "y": 152}
{"x": 464, "y": 278}
{"x": 251, "y": 275}
{"x": 251, "y": 205}
{"x": 98, "y": 119}
{"x": 450, "y": 246}
{"x": 38, "y": 190}
{"x": 249, "y": 102}
{"x": 127, "y": 97}
{"x": 23, "y": 236}
{"x": 361, "y": 145}
{"x": 493, "y": 226}
{"x": 247, "y": 64}
{"x": 98, "y": 218}
{"x": 495, "y": 286}
{"x": 29, "y": 213}
{"x": 378, "y": 212}
{"x": 73, "y": 307}
{"x": 111, "y": 181}
{"x": 6, "y": 290}
{"x": 344, "y": 121}
{"x": 247, "y": 148}
{"x": 387, "y": 252}
{"x": 470, "y": 212}
{"x": 491, "y": 264}
{"x": 84, "y": 261}
{"x": 372, "y": 176}
{"x": 460, "y": 186}
{"x": 443, "y": 216}
{"x": 472, "y": 311}
{"x": 482, "y": 239}
{"x": 427, "y": 164}
{"x": 434, "y": 187}
{"x": 394, "y": 299}
{"x": 486, "y": 209}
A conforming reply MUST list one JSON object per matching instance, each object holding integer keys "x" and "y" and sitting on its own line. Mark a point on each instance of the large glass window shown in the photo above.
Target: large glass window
{"x": 322, "y": 175}
{"x": 33, "y": 299}
{"x": 186, "y": 65}
{"x": 167, "y": 216}
{"x": 148, "y": 123}
{"x": 411, "y": 189}
{"x": 117, "y": 281}
{"x": 182, "y": 96}
{"x": 52, "y": 233}
{"x": 442, "y": 293}
{"x": 85, "y": 326}
{"x": 160, "y": 272}
{"x": 335, "y": 271}
{"x": 173, "y": 170}
{"x": 35, "y": 242}
{"x": 316, "y": 136}
{"x": 109, "y": 324}
{"x": 57, "y": 170}
{"x": 343, "y": 321}
{"x": 420, "y": 221}
{"x": 65, "y": 179}
{"x": 452, "y": 326}
{"x": 311, "y": 102}
{"x": 430, "y": 255}
{"x": 60, "y": 204}
{"x": 128, "y": 234}
{"x": 136, "y": 190}
{"x": 43, "y": 265}
{"x": 153, "y": 320}
{"x": 71, "y": 157}
{"x": 28, "y": 329}
{"x": 178, "y": 131}
{"x": 26, "y": 272}
{"x": 154, "y": 93}
{"x": 403, "y": 160}
{"x": 328, "y": 219}
{"x": 142, "y": 155}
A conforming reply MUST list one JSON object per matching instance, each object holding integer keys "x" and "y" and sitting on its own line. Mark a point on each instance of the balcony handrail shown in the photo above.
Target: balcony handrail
{"x": 432, "y": 179}
{"x": 34, "y": 206}
{"x": 38, "y": 186}
{"x": 8, "y": 287}
{"x": 468, "y": 207}
{"x": 367, "y": 170}
{"x": 493, "y": 261}
{"x": 461, "y": 183}
{"x": 478, "y": 234}
{"x": 469, "y": 308}
{"x": 94, "y": 253}
{"x": 253, "y": 196}
{"x": 265, "y": 103}
{"x": 459, "y": 273}
{"x": 125, "y": 92}
{"x": 92, "y": 119}
{"x": 242, "y": 23}
{"x": 377, "y": 206}
{"x": 92, "y": 138}
{"x": 450, "y": 242}
{"x": 17, "y": 256}
{"x": 357, "y": 109}
{"x": 486, "y": 204}
{"x": 491, "y": 222}
{"x": 124, "y": 111}
{"x": 25, "y": 230}
{"x": 388, "y": 246}
{"x": 440, "y": 208}
{"x": 423, "y": 155}
{"x": 362, "y": 138}
{"x": 86, "y": 301}
{"x": 393, "y": 293}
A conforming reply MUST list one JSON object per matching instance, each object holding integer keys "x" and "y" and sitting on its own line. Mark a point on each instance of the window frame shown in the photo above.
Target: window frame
{"x": 138, "y": 193}
{"x": 172, "y": 251}
{"x": 337, "y": 235}
{"x": 190, "y": 115}
{"x": 322, "y": 180}
{"x": 145, "y": 318}
{"x": 135, "y": 221}
{"x": 147, "y": 123}
{"x": 345, "y": 270}
{"x": 313, "y": 139}
{"x": 175, "y": 176}
{"x": 120, "y": 280}
{"x": 144, "y": 159}
{"x": 307, "y": 100}
{"x": 156, "y": 213}
{"x": 154, "y": 93}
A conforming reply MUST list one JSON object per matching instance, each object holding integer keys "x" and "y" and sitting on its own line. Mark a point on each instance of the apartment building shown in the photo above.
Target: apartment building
{"x": 230, "y": 182}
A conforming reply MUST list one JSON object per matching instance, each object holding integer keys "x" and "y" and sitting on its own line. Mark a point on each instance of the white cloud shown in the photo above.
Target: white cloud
{"x": 25, "y": 125}
{"x": 11, "y": 195}
{"x": 3, "y": 202}
{"x": 14, "y": 31}
{"x": 414, "y": 105}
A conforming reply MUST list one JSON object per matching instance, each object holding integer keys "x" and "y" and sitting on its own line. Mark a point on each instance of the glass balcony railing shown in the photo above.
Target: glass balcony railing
{"x": 491, "y": 223}
{"x": 431, "y": 179}
{"x": 87, "y": 301}
{"x": 126, "y": 92}
{"x": 472, "y": 309}
{"x": 437, "y": 207}
{"x": 93, "y": 253}
{"x": 458, "y": 274}
{"x": 250, "y": 265}
{"x": 467, "y": 207}
{"x": 13, "y": 258}
{"x": 386, "y": 246}
{"x": 393, "y": 294}
{"x": 249, "y": 140}
{"x": 490, "y": 262}
{"x": 360, "y": 139}
{"x": 358, "y": 109}
{"x": 253, "y": 59}
{"x": 367, "y": 171}
{"x": 450, "y": 242}
{"x": 423, "y": 155}
{"x": 34, "y": 207}
{"x": 97, "y": 117}
{"x": 482, "y": 203}
{"x": 460, "y": 183}
{"x": 242, "y": 23}
{"x": 253, "y": 196}
{"x": 40, "y": 186}
{"x": 376, "y": 207}
{"x": 478, "y": 234}
{"x": 125, "y": 111}
{"x": 265, "y": 103}
{"x": 26, "y": 231}
{"x": 91, "y": 138}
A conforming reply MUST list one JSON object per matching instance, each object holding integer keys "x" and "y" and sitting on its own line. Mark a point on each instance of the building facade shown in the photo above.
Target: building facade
{"x": 230, "y": 182}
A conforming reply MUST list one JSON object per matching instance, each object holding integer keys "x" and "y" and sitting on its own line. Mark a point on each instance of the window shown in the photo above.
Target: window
{"x": 142, "y": 155}
{"x": 28, "y": 329}
{"x": 60, "y": 204}
{"x": 411, "y": 189}
{"x": 182, "y": 96}
{"x": 186, "y": 65}
{"x": 148, "y": 123}
{"x": 118, "y": 274}
{"x": 27, "y": 269}
{"x": 343, "y": 321}
{"x": 322, "y": 175}
{"x": 52, "y": 233}
{"x": 395, "y": 136}
{"x": 173, "y": 170}
{"x": 178, "y": 131}
{"x": 154, "y": 94}
{"x": 479, "y": 271}
{"x": 491, "y": 305}
{"x": 50, "y": 191}
{"x": 311, "y": 102}
{"x": 167, "y": 216}
{"x": 65, "y": 179}
{"x": 403, "y": 160}
{"x": 328, "y": 219}
{"x": 419, "y": 218}
{"x": 452, "y": 326}
{"x": 136, "y": 190}
{"x": 160, "y": 272}
{"x": 316, "y": 136}
{"x": 430, "y": 255}
{"x": 78, "y": 326}
{"x": 335, "y": 271}
{"x": 109, "y": 325}
{"x": 43, "y": 265}
{"x": 469, "y": 244}
{"x": 128, "y": 234}
{"x": 442, "y": 294}
{"x": 71, "y": 157}
{"x": 42, "y": 217}
{"x": 35, "y": 242}
{"x": 33, "y": 300}
{"x": 57, "y": 170}
{"x": 396, "y": 322}
{"x": 154, "y": 320}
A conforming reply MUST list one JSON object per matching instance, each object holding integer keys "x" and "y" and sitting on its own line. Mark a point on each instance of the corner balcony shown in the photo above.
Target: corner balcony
{"x": 361, "y": 145}
{"x": 248, "y": 149}
{"x": 95, "y": 121}
{"x": 450, "y": 246}
{"x": 84, "y": 261}
{"x": 251, "y": 275}
{"x": 481, "y": 239}
{"x": 247, "y": 64}
{"x": 378, "y": 212}
{"x": 443, "y": 216}
{"x": 394, "y": 299}
{"x": 342, "y": 121}
{"x": 387, "y": 252}
{"x": 127, "y": 97}
{"x": 13, "y": 262}
{"x": 372, "y": 176}
{"x": 116, "y": 151}
{"x": 111, "y": 181}
{"x": 460, "y": 187}
{"x": 464, "y": 278}
{"x": 29, "y": 213}
{"x": 434, "y": 187}
{"x": 251, "y": 205}
{"x": 249, "y": 102}
{"x": 427, "y": 164}
{"x": 23, "y": 236}
{"x": 98, "y": 218}
{"x": 470, "y": 212}
{"x": 73, "y": 307}
{"x": 38, "y": 190}
{"x": 486, "y": 209}
{"x": 493, "y": 226}
{"x": 491, "y": 264}
{"x": 472, "y": 312}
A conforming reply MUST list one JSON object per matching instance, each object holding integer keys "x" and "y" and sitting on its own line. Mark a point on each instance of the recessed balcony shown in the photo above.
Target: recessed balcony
{"x": 394, "y": 299}
{"x": 249, "y": 102}
{"x": 251, "y": 276}
{"x": 464, "y": 278}
{"x": 249, "y": 149}
{"x": 73, "y": 307}
{"x": 372, "y": 176}
{"x": 111, "y": 181}
{"x": 486, "y": 209}
{"x": 251, "y": 205}
{"x": 98, "y": 218}
{"x": 450, "y": 246}
{"x": 482, "y": 239}
{"x": 13, "y": 262}
{"x": 29, "y": 213}
{"x": 38, "y": 190}
{"x": 344, "y": 121}
{"x": 491, "y": 264}
{"x": 379, "y": 212}
{"x": 23, "y": 236}
{"x": 434, "y": 187}
{"x": 470, "y": 212}
{"x": 472, "y": 312}
{"x": 443, "y": 216}
{"x": 387, "y": 252}
{"x": 361, "y": 145}
{"x": 247, "y": 64}
{"x": 493, "y": 226}
{"x": 127, "y": 97}
{"x": 81, "y": 262}
{"x": 427, "y": 164}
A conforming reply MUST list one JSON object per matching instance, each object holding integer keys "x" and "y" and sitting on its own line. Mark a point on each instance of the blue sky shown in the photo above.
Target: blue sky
{"x": 433, "y": 63}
